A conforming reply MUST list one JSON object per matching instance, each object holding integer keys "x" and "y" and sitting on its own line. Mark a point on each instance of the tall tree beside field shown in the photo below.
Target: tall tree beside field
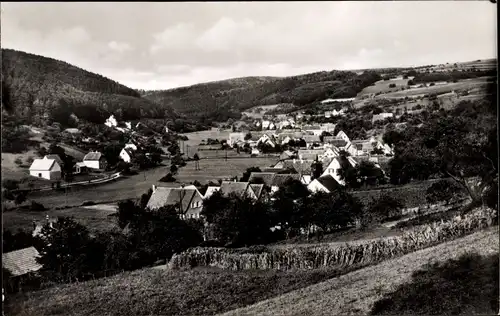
{"x": 442, "y": 191}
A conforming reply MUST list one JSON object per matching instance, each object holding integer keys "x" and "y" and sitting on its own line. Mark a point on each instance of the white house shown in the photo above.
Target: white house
{"x": 95, "y": 160}
{"x": 210, "y": 191}
{"x": 335, "y": 112}
{"x": 255, "y": 151}
{"x": 335, "y": 165}
{"x": 325, "y": 184}
{"x": 131, "y": 146}
{"x": 266, "y": 139}
{"x": 381, "y": 116}
{"x": 111, "y": 122}
{"x": 235, "y": 138}
{"x": 313, "y": 129}
{"x": 45, "y": 168}
{"x": 126, "y": 154}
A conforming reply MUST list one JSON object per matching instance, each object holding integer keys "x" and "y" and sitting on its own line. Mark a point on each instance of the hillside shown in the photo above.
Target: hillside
{"x": 221, "y": 100}
{"x": 211, "y": 291}
{"x": 40, "y": 90}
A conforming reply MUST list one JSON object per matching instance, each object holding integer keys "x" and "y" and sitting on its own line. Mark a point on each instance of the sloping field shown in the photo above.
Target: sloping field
{"x": 356, "y": 292}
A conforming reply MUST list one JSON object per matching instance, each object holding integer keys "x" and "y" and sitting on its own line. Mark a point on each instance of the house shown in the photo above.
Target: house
{"x": 239, "y": 188}
{"x": 343, "y": 136}
{"x": 325, "y": 184}
{"x": 265, "y": 177}
{"x": 188, "y": 200}
{"x": 46, "y": 168}
{"x": 267, "y": 140}
{"x": 95, "y": 160}
{"x": 331, "y": 152}
{"x": 111, "y": 122}
{"x": 210, "y": 191}
{"x": 131, "y": 146}
{"x": 255, "y": 151}
{"x": 310, "y": 154}
{"x": 335, "y": 112}
{"x": 311, "y": 140}
{"x": 56, "y": 158}
{"x": 126, "y": 154}
{"x": 280, "y": 179}
{"x": 381, "y": 116}
{"x": 305, "y": 179}
{"x": 21, "y": 267}
{"x": 80, "y": 167}
{"x": 328, "y": 127}
{"x": 258, "y": 189}
{"x": 335, "y": 165}
{"x": 360, "y": 147}
{"x": 313, "y": 129}
{"x": 334, "y": 141}
{"x": 235, "y": 138}
{"x": 287, "y": 154}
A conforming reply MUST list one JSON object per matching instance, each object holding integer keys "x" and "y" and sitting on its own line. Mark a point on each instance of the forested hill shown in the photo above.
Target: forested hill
{"x": 223, "y": 99}
{"x": 40, "y": 90}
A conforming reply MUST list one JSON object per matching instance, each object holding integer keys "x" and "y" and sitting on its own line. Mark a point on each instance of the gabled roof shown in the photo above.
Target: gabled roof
{"x": 42, "y": 164}
{"x": 280, "y": 179}
{"x": 311, "y": 127}
{"x": 257, "y": 189}
{"x": 55, "y": 157}
{"x": 311, "y": 138}
{"x": 129, "y": 151}
{"x": 164, "y": 196}
{"x": 92, "y": 156}
{"x": 329, "y": 182}
{"x": 229, "y": 187}
{"x": 21, "y": 261}
{"x": 210, "y": 191}
{"x": 266, "y": 176}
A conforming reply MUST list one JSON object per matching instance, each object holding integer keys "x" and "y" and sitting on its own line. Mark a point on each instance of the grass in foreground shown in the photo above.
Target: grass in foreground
{"x": 356, "y": 292}
{"x": 464, "y": 286}
{"x": 161, "y": 292}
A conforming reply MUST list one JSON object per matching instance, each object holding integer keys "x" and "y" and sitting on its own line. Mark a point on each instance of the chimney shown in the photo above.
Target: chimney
{"x": 154, "y": 188}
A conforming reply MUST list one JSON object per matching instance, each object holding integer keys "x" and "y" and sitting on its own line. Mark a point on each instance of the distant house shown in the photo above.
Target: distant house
{"x": 95, "y": 160}
{"x": 287, "y": 154}
{"x": 188, "y": 200}
{"x": 111, "y": 122}
{"x": 311, "y": 140}
{"x": 310, "y": 154}
{"x": 126, "y": 154}
{"x": 266, "y": 139}
{"x": 235, "y": 138}
{"x": 360, "y": 147}
{"x": 330, "y": 101}
{"x": 381, "y": 116}
{"x": 21, "y": 266}
{"x": 255, "y": 151}
{"x": 80, "y": 167}
{"x": 334, "y": 113}
{"x": 335, "y": 141}
{"x": 335, "y": 165}
{"x": 328, "y": 127}
{"x": 46, "y": 168}
{"x": 313, "y": 129}
{"x": 239, "y": 188}
{"x": 325, "y": 184}
{"x": 305, "y": 179}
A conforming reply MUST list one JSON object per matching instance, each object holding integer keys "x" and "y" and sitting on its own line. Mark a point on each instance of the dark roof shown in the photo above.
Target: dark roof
{"x": 55, "y": 157}
{"x": 229, "y": 187}
{"x": 280, "y": 179}
{"x": 163, "y": 196}
{"x": 21, "y": 261}
{"x": 311, "y": 138}
{"x": 329, "y": 182}
{"x": 267, "y": 177}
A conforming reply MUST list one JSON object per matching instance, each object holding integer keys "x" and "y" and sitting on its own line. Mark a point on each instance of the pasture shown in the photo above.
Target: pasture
{"x": 253, "y": 113}
{"x": 96, "y": 218}
{"x": 190, "y": 146}
{"x": 382, "y": 86}
{"x": 213, "y": 169}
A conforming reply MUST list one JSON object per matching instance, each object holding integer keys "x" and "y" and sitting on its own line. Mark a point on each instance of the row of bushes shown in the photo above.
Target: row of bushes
{"x": 328, "y": 255}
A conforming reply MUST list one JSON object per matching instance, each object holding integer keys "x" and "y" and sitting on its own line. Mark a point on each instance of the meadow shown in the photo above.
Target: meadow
{"x": 195, "y": 138}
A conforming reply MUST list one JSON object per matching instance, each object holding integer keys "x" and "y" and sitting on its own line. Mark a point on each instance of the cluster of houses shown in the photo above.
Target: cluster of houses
{"x": 50, "y": 167}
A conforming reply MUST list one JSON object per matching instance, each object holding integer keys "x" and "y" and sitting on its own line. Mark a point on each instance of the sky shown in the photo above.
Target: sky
{"x": 157, "y": 45}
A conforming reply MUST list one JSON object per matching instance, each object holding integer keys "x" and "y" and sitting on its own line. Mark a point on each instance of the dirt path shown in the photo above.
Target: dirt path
{"x": 356, "y": 292}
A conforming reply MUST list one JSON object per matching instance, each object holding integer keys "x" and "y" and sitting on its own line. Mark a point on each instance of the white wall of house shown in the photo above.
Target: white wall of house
{"x": 332, "y": 169}
{"x": 46, "y": 174}
{"x": 125, "y": 156}
{"x": 316, "y": 186}
{"x": 92, "y": 164}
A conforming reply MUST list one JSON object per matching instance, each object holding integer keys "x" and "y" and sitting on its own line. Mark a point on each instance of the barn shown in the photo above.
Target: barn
{"x": 45, "y": 168}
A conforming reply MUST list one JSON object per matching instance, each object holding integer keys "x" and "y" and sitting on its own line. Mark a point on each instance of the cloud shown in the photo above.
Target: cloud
{"x": 162, "y": 45}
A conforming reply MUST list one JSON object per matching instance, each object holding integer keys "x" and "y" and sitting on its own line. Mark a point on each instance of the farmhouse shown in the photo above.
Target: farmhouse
{"x": 235, "y": 138}
{"x": 381, "y": 116}
{"x": 325, "y": 184}
{"x": 95, "y": 160}
{"x": 46, "y": 168}
{"x": 335, "y": 165}
{"x": 21, "y": 266}
{"x": 188, "y": 200}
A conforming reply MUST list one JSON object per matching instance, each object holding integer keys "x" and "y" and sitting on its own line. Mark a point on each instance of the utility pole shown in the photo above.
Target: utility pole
{"x": 225, "y": 150}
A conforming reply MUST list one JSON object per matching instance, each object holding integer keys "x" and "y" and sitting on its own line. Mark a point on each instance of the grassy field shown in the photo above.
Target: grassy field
{"x": 96, "y": 219}
{"x": 211, "y": 291}
{"x": 213, "y": 169}
{"x": 383, "y": 86}
{"x": 195, "y": 138}
{"x": 356, "y": 292}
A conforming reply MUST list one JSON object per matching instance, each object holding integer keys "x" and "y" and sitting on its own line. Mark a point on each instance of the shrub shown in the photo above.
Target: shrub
{"x": 18, "y": 161}
{"x": 392, "y": 85}
{"x": 327, "y": 255}
{"x": 35, "y": 206}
